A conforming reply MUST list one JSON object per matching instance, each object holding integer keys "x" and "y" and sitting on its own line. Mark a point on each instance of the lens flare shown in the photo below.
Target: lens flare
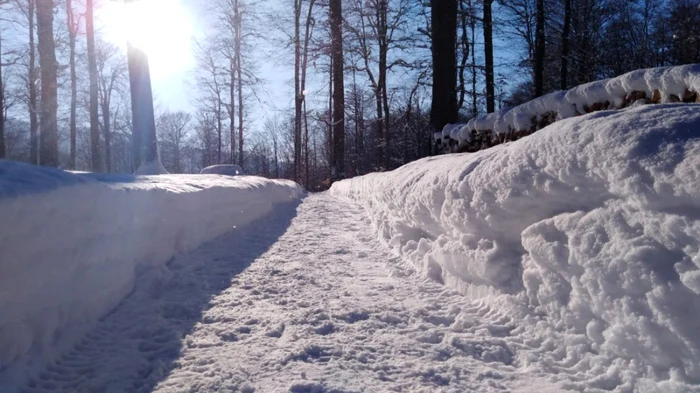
{"x": 162, "y": 28}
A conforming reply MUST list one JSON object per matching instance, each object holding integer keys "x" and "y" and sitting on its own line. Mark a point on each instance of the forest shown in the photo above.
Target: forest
{"x": 369, "y": 83}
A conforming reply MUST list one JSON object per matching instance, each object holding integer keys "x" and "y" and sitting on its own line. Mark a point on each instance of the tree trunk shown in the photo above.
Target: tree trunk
{"x": 72, "y": 31}
{"x": 488, "y": 51}
{"x": 306, "y": 146}
{"x": 472, "y": 25}
{"x": 232, "y": 110}
{"x": 539, "y": 50}
{"x": 336, "y": 21}
{"x": 49, "y": 84}
{"x": 3, "y": 152}
{"x": 297, "y": 93}
{"x": 106, "y": 120}
{"x": 464, "y": 48}
{"x": 565, "y": 45}
{"x": 219, "y": 128}
{"x": 239, "y": 71}
{"x": 240, "y": 113}
{"x": 444, "y": 105}
{"x": 92, "y": 71}
{"x": 33, "y": 120}
{"x": 304, "y": 66}
{"x": 383, "y": 39}
{"x": 330, "y": 112}
{"x": 381, "y": 135}
{"x": 144, "y": 124}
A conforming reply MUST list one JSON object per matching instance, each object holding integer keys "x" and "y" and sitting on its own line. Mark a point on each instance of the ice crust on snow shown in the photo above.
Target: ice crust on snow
{"x": 72, "y": 245}
{"x": 588, "y": 231}
{"x": 669, "y": 81}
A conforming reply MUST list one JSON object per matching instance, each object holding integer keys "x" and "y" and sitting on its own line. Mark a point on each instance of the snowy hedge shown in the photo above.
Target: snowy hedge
{"x": 72, "y": 246}
{"x": 653, "y": 85}
{"x": 593, "y": 222}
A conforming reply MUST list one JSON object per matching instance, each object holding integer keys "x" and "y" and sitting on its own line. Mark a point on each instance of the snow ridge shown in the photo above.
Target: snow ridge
{"x": 589, "y": 233}
{"x": 72, "y": 246}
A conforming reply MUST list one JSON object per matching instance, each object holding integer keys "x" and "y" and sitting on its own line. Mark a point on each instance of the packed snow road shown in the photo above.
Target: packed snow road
{"x": 304, "y": 300}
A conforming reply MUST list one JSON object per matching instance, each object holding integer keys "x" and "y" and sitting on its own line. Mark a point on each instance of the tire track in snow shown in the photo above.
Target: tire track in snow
{"x": 306, "y": 300}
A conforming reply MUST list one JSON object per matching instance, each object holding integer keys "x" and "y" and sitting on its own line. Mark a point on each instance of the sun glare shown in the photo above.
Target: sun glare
{"x": 162, "y": 28}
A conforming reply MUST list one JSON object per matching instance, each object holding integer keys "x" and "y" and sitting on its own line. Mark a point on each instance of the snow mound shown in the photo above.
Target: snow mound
{"x": 593, "y": 222}
{"x": 663, "y": 84}
{"x": 72, "y": 246}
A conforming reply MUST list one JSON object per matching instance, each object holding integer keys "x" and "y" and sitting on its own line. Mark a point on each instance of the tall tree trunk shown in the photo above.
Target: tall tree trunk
{"x": 92, "y": 71}
{"x": 240, "y": 113}
{"x": 232, "y": 110}
{"x": 539, "y": 50}
{"x": 488, "y": 51}
{"x": 49, "y": 84}
{"x": 3, "y": 152}
{"x": 330, "y": 112}
{"x": 304, "y": 67}
{"x": 33, "y": 120}
{"x": 336, "y": 21}
{"x": 72, "y": 32}
{"x": 381, "y": 135}
{"x": 219, "y": 128}
{"x": 298, "y": 98}
{"x": 144, "y": 123}
{"x": 239, "y": 71}
{"x": 383, "y": 38}
{"x": 472, "y": 25}
{"x": 444, "y": 35}
{"x": 306, "y": 146}
{"x": 565, "y": 45}
{"x": 464, "y": 50}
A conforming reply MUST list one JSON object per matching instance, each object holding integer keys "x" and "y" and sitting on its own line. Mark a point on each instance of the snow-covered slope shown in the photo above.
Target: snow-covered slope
{"x": 72, "y": 246}
{"x": 588, "y": 232}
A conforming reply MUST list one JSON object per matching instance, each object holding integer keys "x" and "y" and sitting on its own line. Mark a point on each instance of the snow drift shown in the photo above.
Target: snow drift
{"x": 72, "y": 246}
{"x": 593, "y": 223}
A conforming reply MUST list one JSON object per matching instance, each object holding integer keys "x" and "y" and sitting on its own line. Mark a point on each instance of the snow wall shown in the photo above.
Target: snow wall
{"x": 72, "y": 246}
{"x": 593, "y": 222}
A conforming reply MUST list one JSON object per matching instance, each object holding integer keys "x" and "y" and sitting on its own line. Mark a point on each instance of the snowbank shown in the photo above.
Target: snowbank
{"x": 72, "y": 246}
{"x": 593, "y": 222}
{"x": 660, "y": 85}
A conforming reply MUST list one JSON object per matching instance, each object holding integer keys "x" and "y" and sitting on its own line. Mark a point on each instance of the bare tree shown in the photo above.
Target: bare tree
{"x": 379, "y": 27}
{"x": 173, "y": 128}
{"x": 539, "y": 50}
{"x": 234, "y": 33}
{"x": 488, "y": 51}
{"x": 49, "y": 84}
{"x": 111, "y": 72}
{"x": 211, "y": 81}
{"x": 92, "y": 71}
{"x": 336, "y": 21}
{"x": 28, "y": 9}
{"x": 3, "y": 152}
{"x": 566, "y": 31}
{"x": 300, "y": 65}
{"x": 72, "y": 33}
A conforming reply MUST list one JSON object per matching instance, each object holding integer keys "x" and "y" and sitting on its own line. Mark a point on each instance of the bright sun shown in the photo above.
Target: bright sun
{"x": 162, "y": 28}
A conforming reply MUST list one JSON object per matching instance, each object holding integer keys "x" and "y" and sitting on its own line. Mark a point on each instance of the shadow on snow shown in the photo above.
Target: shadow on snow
{"x": 136, "y": 346}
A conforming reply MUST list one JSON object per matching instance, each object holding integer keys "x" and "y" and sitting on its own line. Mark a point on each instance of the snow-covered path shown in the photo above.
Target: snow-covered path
{"x": 305, "y": 300}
